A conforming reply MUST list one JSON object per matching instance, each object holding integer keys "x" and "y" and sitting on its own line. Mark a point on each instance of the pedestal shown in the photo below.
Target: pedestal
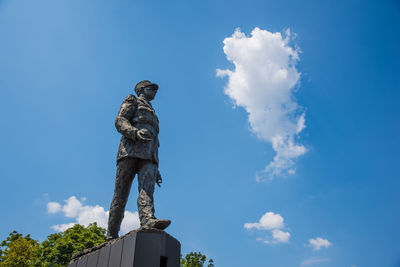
{"x": 139, "y": 248}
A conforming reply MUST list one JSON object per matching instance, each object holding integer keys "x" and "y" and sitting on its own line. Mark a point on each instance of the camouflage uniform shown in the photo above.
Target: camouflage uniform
{"x": 135, "y": 157}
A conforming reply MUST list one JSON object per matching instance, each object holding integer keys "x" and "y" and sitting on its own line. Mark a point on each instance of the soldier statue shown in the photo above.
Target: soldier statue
{"x": 137, "y": 154}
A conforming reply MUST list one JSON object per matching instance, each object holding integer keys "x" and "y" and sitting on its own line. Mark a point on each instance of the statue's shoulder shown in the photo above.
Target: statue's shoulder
{"x": 130, "y": 98}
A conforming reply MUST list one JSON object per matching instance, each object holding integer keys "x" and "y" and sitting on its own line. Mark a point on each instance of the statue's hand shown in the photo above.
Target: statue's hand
{"x": 143, "y": 135}
{"x": 158, "y": 179}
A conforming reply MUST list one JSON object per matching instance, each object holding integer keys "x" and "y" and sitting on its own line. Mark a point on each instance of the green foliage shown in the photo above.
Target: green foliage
{"x": 18, "y": 251}
{"x": 195, "y": 259}
{"x": 58, "y": 248}
{"x": 55, "y": 251}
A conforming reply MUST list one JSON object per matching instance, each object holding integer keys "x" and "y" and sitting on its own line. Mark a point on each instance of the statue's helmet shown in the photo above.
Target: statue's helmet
{"x": 143, "y": 84}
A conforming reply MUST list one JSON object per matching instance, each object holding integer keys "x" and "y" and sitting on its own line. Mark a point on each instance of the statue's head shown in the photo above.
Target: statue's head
{"x": 147, "y": 89}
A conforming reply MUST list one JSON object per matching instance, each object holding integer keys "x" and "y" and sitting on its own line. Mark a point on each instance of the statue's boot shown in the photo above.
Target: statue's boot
{"x": 157, "y": 224}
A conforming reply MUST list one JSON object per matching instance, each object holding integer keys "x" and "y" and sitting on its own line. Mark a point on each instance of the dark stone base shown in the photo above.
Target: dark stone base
{"x": 139, "y": 248}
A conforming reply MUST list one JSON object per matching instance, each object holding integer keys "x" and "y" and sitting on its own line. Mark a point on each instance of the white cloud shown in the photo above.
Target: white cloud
{"x": 90, "y": 214}
{"x": 85, "y": 214}
{"x": 280, "y": 236}
{"x": 268, "y": 221}
{"x": 72, "y": 207}
{"x": 263, "y": 82}
{"x": 130, "y": 221}
{"x": 53, "y": 207}
{"x": 62, "y": 227}
{"x": 319, "y": 243}
{"x": 273, "y": 222}
{"x": 313, "y": 260}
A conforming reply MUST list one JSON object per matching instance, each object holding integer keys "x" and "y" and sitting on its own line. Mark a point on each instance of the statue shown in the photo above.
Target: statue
{"x": 137, "y": 155}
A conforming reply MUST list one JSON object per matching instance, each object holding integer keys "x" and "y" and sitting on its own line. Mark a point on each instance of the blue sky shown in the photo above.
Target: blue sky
{"x": 66, "y": 66}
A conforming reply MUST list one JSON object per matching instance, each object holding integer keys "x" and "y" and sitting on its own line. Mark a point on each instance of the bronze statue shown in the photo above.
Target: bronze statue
{"x": 137, "y": 154}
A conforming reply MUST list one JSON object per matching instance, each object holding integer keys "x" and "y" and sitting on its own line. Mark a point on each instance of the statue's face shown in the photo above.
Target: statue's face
{"x": 149, "y": 92}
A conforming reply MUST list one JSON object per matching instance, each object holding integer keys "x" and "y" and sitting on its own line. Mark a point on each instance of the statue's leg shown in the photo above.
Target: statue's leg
{"x": 123, "y": 180}
{"x": 146, "y": 179}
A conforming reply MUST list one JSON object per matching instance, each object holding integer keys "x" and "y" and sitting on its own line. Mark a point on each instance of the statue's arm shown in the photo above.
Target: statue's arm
{"x": 126, "y": 112}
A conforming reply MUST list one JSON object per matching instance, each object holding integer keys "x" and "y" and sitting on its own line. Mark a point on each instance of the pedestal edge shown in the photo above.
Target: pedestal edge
{"x": 78, "y": 255}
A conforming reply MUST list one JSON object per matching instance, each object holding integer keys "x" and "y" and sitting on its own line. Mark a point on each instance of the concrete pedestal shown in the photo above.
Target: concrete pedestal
{"x": 139, "y": 248}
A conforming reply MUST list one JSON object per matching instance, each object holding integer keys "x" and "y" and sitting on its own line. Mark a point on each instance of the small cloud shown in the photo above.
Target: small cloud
{"x": 268, "y": 221}
{"x": 86, "y": 214}
{"x": 319, "y": 243}
{"x": 280, "y": 236}
{"x": 53, "y": 207}
{"x": 273, "y": 222}
{"x": 313, "y": 261}
{"x": 62, "y": 227}
{"x": 130, "y": 221}
{"x": 72, "y": 207}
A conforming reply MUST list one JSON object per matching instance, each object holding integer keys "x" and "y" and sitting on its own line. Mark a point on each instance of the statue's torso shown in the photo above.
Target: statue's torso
{"x": 144, "y": 117}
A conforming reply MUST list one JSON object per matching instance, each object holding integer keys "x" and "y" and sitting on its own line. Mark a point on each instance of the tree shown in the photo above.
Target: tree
{"x": 18, "y": 251}
{"x": 58, "y": 248}
{"x": 195, "y": 259}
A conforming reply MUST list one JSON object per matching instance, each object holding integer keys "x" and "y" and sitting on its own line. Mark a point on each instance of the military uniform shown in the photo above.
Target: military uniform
{"x": 135, "y": 157}
{"x": 135, "y": 114}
